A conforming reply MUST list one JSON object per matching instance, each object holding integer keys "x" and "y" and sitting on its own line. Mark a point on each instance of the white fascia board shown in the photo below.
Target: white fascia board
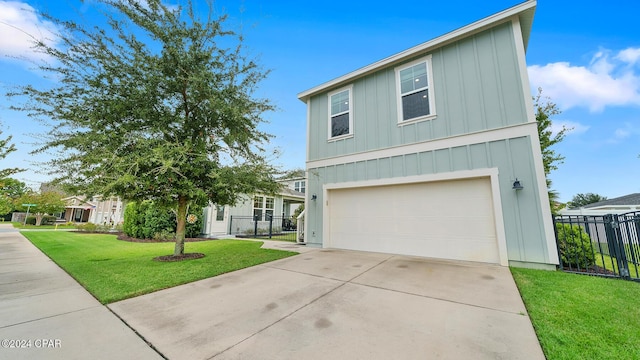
{"x": 519, "y": 10}
{"x": 514, "y": 131}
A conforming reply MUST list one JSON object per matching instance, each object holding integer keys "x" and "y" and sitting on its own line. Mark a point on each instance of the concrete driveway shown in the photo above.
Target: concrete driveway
{"x": 331, "y": 304}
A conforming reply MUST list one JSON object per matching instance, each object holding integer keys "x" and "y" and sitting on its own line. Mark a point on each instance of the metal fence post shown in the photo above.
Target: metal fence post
{"x": 616, "y": 245}
{"x": 255, "y": 225}
{"x": 270, "y": 225}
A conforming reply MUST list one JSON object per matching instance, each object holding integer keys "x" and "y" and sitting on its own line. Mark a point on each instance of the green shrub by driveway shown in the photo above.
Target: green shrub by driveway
{"x": 575, "y": 246}
{"x": 580, "y": 316}
{"x": 114, "y": 270}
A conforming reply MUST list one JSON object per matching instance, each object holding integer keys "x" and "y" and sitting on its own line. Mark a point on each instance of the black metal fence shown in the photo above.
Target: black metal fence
{"x": 603, "y": 245}
{"x": 271, "y": 227}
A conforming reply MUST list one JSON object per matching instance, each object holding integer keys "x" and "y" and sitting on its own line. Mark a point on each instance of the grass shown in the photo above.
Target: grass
{"x": 114, "y": 270}
{"x": 19, "y": 225}
{"x": 582, "y": 317}
{"x": 611, "y": 263}
{"x": 290, "y": 237}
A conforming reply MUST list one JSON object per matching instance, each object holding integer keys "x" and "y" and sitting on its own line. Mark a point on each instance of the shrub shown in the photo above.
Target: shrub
{"x": 48, "y": 220}
{"x": 195, "y": 229}
{"x": 146, "y": 220}
{"x": 575, "y": 246}
{"x": 31, "y": 220}
{"x": 157, "y": 220}
{"x": 86, "y": 227}
{"x": 164, "y": 235}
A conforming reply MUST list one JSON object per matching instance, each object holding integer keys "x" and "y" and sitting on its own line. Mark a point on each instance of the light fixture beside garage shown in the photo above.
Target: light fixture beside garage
{"x": 517, "y": 186}
{"x": 314, "y": 197}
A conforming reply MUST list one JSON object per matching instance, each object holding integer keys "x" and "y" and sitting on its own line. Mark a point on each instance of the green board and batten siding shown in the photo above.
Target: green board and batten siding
{"x": 521, "y": 211}
{"x": 492, "y": 99}
{"x": 478, "y": 89}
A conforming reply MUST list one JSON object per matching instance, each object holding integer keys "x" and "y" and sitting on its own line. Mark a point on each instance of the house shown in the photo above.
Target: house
{"x": 619, "y": 205}
{"x": 433, "y": 152}
{"x": 97, "y": 210}
{"x": 255, "y": 210}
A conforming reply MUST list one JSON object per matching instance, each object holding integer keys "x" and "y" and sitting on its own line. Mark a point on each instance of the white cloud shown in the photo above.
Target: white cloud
{"x": 573, "y": 128}
{"x": 629, "y": 55}
{"x": 622, "y": 133}
{"x": 19, "y": 25}
{"x": 606, "y": 81}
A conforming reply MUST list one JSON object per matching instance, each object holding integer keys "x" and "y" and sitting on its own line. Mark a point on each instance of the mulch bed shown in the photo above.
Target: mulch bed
{"x": 592, "y": 270}
{"x": 167, "y": 258}
{"x": 187, "y": 256}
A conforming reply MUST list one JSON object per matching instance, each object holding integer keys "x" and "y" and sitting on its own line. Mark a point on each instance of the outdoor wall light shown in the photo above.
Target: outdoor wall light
{"x": 517, "y": 185}
{"x": 314, "y": 197}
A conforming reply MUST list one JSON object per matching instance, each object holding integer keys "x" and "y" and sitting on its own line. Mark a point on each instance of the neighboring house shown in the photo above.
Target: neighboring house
{"x": 425, "y": 152}
{"x": 97, "y": 210}
{"x": 239, "y": 219}
{"x": 619, "y": 205}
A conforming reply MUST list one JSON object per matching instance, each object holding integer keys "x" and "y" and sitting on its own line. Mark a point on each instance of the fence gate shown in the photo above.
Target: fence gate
{"x": 603, "y": 245}
{"x": 267, "y": 226}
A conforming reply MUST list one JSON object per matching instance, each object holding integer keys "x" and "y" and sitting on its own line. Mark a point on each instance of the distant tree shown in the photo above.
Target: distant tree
{"x": 293, "y": 173}
{"x": 6, "y": 148}
{"x": 10, "y": 190}
{"x": 545, "y": 109}
{"x": 158, "y": 105}
{"x": 46, "y": 203}
{"x": 580, "y": 200}
{"x": 13, "y": 188}
{"x": 6, "y": 206}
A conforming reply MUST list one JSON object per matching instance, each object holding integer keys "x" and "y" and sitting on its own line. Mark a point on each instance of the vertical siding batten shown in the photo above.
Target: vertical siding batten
{"x": 496, "y": 66}
{"x": 481, "y": 96}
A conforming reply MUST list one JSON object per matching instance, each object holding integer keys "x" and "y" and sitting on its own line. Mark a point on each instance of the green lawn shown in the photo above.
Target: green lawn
{"x": 582, "y": 317}
{"x": 19, "y": 225}
{"x": 114, "y": 270}
{"x": 611, "y": 263}
{"x": 290, "y": 237}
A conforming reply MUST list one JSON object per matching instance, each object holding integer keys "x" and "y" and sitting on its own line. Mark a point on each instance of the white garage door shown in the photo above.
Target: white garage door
{"x": 445, "y": 219}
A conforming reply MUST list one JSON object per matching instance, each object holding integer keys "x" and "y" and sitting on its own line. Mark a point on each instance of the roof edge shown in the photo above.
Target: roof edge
{"x": 474, "y": 27}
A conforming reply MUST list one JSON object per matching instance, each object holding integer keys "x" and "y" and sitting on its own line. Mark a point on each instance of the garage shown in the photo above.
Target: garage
{"x": 453, "y": 219}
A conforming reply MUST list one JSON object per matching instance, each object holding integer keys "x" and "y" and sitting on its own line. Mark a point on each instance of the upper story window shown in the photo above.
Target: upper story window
{"x": 340, "y": 114}
{"x": 300, "y": 186}
{"x": 415, "y": 90}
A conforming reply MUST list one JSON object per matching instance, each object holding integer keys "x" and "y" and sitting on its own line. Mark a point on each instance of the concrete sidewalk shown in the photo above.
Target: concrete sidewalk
{"x": 46, "y": 314}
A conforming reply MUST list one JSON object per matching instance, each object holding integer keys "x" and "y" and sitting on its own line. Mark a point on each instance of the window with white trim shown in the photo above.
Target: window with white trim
{"x": 263, "y": 206}
{"x": 299, "y": 186}
{"x": 219, "y": 212}
{"x": 415, "y": 90}
{"x": 340, "y": 117}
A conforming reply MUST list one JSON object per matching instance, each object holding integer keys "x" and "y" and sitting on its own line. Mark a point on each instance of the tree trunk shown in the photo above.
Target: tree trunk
{"x": 39, "y": 219}
{"x": 181, "y": 226}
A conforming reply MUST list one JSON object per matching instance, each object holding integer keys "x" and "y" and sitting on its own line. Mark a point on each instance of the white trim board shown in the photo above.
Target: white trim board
{"x": 510, "y": 132}
{"x": 491, "y": 173}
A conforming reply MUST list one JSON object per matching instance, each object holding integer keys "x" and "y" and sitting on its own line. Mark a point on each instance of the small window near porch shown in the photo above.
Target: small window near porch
{"x": 219, "y": 212}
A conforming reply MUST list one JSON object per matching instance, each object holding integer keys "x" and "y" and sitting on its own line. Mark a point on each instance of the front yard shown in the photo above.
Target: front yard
{"x": 580, "y": 316}
{"x": 575, "y": 316}
{"x": 114, "y": 270}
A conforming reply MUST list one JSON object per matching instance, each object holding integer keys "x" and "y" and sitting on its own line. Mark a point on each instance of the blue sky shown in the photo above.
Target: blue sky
{"x": 584, "y": 54}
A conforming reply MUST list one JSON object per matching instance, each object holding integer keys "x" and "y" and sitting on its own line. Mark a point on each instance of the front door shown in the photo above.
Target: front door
{"x": 218, "y": 219}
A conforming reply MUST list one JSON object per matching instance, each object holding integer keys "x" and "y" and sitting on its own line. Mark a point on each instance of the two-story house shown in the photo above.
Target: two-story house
{"x": 433, "y": 152}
